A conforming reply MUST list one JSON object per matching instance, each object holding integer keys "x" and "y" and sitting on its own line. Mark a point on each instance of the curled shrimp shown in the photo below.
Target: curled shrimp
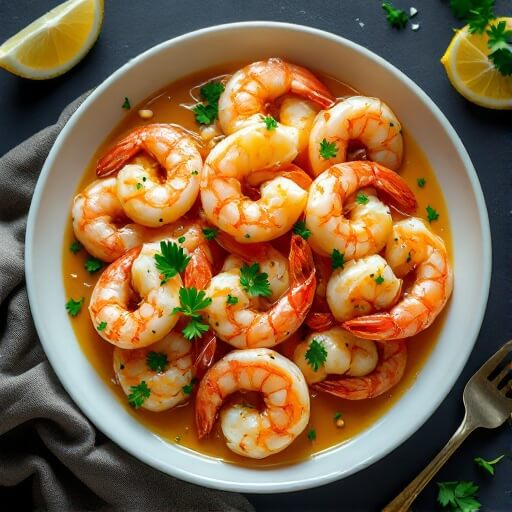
{"x": 300, "y": 114}
{"x": 243, "y": 326}
{"x": 411, "y": 247}
{"x": 387, "y": 374}
{"x": 131, "y": 276}
{"x": 165, "y": 383}
{"x": 145, "y": 198}
{"x": 249, "y": 431}
{"x": 361, "y": 287}
{"x": 251, "y": 89}
{"x": 370, "y": 222}
{"x": 231, "y": 163}
{"x": 345, "y": 355}
{"x": 361, "y": 120}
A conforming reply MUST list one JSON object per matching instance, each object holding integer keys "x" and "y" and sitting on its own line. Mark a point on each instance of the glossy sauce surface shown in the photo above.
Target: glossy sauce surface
{"x": 177, "y": 425}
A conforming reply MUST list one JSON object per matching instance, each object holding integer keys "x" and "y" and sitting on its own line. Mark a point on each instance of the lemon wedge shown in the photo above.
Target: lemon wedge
{"x": 473, "y": 74}
{"x": 54, "y": 43}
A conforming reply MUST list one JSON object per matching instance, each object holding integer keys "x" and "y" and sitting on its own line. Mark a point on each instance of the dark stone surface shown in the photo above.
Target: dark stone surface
{"x": 132, "y": 27}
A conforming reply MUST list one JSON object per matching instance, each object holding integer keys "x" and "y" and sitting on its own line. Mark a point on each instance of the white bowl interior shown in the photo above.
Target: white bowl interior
{"x": 246, "y": 42}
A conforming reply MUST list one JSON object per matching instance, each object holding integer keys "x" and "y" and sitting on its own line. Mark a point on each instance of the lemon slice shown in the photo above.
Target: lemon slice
{"x": 473, "y": 74}
{"x": 55, "y": 42}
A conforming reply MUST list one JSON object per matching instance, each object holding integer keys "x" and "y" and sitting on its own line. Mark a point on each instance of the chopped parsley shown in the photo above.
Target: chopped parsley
{"x": 192, "y": 302}
{"x": 138, "y": 186}
{"x": 181, "y": 239}
{"x": 101, "y": 326}
{"x": 126, "y": 105}
{"x": 75, "y": 247}
{"x": 337, "y": 416}
{"x": 488, "y": 465}
{"x": 379, "y": 279}
{"x": 211, "y": 92}
{"x": 432, "y": 214}
{"x": 299, "y": 228}
{"x": 93, "y": 264}
{"x": 421, "y": 182}
{"x": 362, "y": 199}
{"x": 73, "y": 307}
{"x": 458, "y": 496}
{"x": 210, "y": 233}
{"x": 270, "y": 122}
{"x": 397, "y": 18}
{"x": 328, "y": 149}
{"x": 138, "y": 395}
{"x": 500, "y": 46}
{"x": 157, "y": 361}
{"x": 337, "y": 259}
{"x": 312, "y": 434}
{"x": 171, "y": 260}
{"x": 188, "y": 388}
{"x": 254, "y": 281}
{"x": 207, "y": 113}
{"x": 195, "y": 172}
{"x": 409, "y": 257}
{"x": 316, "y": 354}
{"x": 232, "y": 300}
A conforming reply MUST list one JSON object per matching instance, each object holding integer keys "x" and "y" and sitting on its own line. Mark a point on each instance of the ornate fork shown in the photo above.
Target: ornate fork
{"x": 488, "y": 402}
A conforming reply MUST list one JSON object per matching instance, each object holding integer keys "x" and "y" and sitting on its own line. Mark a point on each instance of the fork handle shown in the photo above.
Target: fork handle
{"x": 405, "y": 499}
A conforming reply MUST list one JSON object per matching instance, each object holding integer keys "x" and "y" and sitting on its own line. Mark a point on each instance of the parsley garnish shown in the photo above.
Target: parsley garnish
{"x": 101, "y": 326}
{"x": 126, "y": 105}
{"x": 337, "y": 259}
{"x": 421, "y": 182}
{"x": 207, "y": 113}
{"x": 432, "y": 214}
{"x": 379, "y": 279}
{"x": 328, "y": 149}
{"x": 211, "y": 92}
{"x": 316, "y": 354}
{"x": 188, "y": 388}
{"x": 477, "y": 13}
{"x": 362, "y": 199}
{"x": 270, "y": 122}
{"x": 138, "y": 186}
{"x": 192, "y": 302}
{"x": 73, "y": 307}
{"x": 93, "y": 264}
{"x": 254, "y": 281}
{"x": 397, "y": 18}
{"x": 312, "y": 434}
{"x": 337, "y": 416}
{"x": 171, "y": 260}
{"x": 138, "y": 394}
{"x": 75, "y": 247}
{"x": 181, "y": 239}
{"x": 459, "y": 496}
{"x": 500, "y": 44}
{"x": 232, "y": 300}
{"x": 299, "y": 228}
{"x": 157, "y": 361}
{"x": 409, "y": 257}
{"x": 195, "y": 172}
{"x": 488, "y": 465}
{"x": 210, "y": 233}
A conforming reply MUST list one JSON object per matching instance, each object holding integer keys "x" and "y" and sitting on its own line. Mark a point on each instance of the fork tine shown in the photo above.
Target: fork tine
{"x": 496, "y": 359}
{"x": 502, "y": 374}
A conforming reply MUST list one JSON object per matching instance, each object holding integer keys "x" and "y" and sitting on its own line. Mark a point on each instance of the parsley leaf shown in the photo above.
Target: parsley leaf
{"x": 126, "y": 105}
{"x": 73, "y": 307}
{"x": 195, "y": 328}
{"x": 270, "y": 122}
{"x": 337, "y": 416}
{"x": 207, "y": 113}
{"x": 192, "y": 302}
{"x": 316, "y": 354}
{"x": 157, "y": 361}
{"x": 188, "y": 388}
{"x": 210, "y": 233}
{"x": 181, "y": 239}
{"x": 477, "y": 13}
{"x": 328, "y": 149}
{"x": 312, "y": 434}
{"x": 421, "y": 182}
{"x": 488, "y": 465}
{"x": 337, "y": 259}
{"x": 459, "y": 496}
{"x": 362, "y": 199}
{"x": 171, "y": 260}
{"x": 75, "y": 247}
{"x": 232, "y": 300}
{"x": 500, "y": 45}
{"x": 93, "y": 264}
{"x": 397, "y": 18}
{"x": 299, "y": 228}
{"x": 379, "y": 279}
{"x": 211, "y": 92}
{"x": 101, "y": 326}
{"x": 254, "y": 281}
{"x": 138, "y": 395}
{"x": 432, "y": 214}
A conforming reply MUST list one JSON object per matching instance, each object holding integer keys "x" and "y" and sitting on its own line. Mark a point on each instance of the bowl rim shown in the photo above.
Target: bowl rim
{"x": 416, "y": 422}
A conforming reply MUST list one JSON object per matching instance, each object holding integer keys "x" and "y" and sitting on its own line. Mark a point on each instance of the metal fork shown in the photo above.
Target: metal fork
{"x": 488, "y": 402}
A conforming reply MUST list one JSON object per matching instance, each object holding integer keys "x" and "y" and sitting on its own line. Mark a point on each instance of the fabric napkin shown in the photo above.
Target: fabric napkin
{"x": 43, "y": 435}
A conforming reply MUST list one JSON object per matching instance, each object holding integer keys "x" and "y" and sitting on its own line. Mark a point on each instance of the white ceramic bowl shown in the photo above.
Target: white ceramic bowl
{"x": 154, "y": 69}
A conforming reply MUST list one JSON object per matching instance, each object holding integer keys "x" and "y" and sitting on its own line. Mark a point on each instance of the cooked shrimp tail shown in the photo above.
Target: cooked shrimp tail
{"x": 120, "y": 154}
{"x": 305, "y": 84}
{"x": 203, "y": 354}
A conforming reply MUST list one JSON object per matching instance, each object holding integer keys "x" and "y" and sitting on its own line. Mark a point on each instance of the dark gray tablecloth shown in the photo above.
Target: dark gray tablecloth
{"x": 43, "y": 435}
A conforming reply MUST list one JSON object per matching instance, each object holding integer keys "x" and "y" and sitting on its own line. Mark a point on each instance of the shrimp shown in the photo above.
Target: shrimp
{"x": 145, "y": 199}
{"x": 361, "y": 120}
{"x": 361, "y": 287}
{"x": 133, "y": 274}
{"x": 388, "y": 373}
{"x": 241, "y": 325}
{"x": 370, "y": 222}
{"x": 345, "y": 355}
{"x": 319, "y": 317}
{"x": 231, "y": 162}
{"x": 249, "y": 431}
{"x": 300, "y": 114}
{"x": 97, "y": 215}
{"x": 166, "y": 384}
{"x": 411, "y": 247}
{"x": 249, "y": 91}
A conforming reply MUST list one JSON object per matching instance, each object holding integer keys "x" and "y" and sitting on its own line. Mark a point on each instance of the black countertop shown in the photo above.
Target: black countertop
{"x": 132, "y": 27}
